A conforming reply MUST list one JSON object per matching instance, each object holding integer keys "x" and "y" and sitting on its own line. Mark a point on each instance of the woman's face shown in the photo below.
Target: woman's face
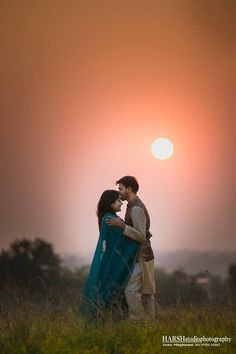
{"x": 116, "y": 205}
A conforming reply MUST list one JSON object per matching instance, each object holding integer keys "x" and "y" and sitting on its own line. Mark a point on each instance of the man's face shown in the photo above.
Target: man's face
{"x": 123, "y": 191}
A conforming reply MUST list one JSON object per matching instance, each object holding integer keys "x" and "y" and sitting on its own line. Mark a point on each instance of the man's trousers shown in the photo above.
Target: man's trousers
{"x": 141, "y": 306}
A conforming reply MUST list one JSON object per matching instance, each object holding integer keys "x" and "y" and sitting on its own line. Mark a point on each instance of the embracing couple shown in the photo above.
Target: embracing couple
{"x": 121, "y": 281}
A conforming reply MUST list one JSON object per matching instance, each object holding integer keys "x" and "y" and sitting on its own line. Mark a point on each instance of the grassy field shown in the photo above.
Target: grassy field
{"x": 29, "y": 328}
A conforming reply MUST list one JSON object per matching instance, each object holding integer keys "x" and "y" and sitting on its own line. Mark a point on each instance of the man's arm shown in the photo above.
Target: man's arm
{"x": 138, "y": 231}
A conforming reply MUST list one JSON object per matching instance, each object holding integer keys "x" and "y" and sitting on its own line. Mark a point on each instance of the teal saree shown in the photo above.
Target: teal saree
{"x": 113, "y": 261}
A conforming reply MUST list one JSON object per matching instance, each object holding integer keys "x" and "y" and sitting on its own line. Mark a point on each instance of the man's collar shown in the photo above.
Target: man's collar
{"x": 132, "y": 202}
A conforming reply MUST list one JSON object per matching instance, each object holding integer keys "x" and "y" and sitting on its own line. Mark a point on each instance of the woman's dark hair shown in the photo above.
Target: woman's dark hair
{"x": 129, "y": 181}
{"x": 104, "y": 205}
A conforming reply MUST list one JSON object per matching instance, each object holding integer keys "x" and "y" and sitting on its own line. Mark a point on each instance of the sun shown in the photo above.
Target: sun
{"x": 162, "y": 148}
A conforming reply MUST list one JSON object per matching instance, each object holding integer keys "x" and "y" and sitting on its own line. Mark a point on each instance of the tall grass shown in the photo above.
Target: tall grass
{"x": 30, "y": 324}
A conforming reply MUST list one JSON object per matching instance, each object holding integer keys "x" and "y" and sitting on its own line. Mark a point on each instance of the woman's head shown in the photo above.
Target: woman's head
{"x": 109, "y": 202}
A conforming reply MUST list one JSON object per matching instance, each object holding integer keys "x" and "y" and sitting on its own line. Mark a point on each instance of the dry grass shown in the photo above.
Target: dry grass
{"x": 43, "y": 326}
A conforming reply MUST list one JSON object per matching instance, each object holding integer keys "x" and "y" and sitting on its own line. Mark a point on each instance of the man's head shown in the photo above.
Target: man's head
{"x": 128, "y": 187}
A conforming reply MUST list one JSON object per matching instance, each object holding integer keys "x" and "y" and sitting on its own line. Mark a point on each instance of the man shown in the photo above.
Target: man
{"x": 141, "y": 288}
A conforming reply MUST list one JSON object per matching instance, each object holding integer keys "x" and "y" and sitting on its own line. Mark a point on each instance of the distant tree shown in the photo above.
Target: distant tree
{"x": 166, "y": 292}
{"x": 232, "y": 281}
{"x": 32, "y": 264}
{"x": 179, "y": 288}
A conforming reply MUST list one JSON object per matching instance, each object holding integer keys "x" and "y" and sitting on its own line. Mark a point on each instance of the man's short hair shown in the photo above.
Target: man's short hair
{"x": 129, "y": 181}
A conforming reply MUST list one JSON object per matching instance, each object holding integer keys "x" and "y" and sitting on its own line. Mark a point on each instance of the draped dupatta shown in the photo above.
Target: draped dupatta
{"x": 113, "y": 261}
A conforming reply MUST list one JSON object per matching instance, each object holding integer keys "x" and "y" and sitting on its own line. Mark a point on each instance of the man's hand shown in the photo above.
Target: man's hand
{"x": 115, "y": 222}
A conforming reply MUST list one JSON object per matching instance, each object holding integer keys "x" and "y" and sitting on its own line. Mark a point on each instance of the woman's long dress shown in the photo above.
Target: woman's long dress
{"x": 112, "y": 265}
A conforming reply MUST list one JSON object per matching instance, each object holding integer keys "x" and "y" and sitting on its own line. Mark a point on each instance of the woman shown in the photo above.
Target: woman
{"x": 111, "y": 267}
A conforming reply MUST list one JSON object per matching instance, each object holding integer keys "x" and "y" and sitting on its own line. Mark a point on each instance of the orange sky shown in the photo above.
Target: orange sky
{"x": 85, "y": 89}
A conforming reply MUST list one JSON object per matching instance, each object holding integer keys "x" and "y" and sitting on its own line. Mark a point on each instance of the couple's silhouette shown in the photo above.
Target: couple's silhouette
{"x": 121, "y": 282}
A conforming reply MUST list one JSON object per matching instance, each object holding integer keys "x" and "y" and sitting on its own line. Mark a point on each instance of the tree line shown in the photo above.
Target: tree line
{"x": 35, "y": 268}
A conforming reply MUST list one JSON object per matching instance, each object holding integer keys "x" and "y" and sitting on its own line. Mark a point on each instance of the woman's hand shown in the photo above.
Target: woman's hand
{"x": 115, "y": 222}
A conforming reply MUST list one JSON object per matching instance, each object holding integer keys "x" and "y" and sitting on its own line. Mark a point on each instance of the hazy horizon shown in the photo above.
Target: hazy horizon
{"x": 215, "y": 263}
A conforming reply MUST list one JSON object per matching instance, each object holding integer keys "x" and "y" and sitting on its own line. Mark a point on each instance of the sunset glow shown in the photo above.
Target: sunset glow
{"x": 95, "y": 90}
